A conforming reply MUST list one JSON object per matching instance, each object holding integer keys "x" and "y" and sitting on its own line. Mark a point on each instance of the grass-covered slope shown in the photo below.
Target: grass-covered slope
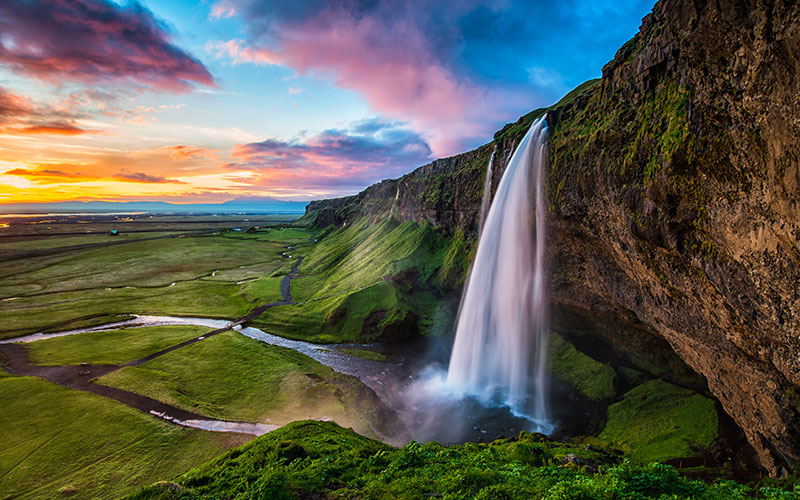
{"x": 371, "y": 279}
{"x": 309, "y": 459}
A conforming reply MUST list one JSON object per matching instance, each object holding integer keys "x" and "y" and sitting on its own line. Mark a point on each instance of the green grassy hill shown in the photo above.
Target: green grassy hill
{"x": 309, "y": 459}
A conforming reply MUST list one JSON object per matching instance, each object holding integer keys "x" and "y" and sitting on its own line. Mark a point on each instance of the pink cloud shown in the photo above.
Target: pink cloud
{"x": 398, "y": 78}
{"x": 387, "y": 56}
{"x": 334, "y": 161}
{"x": 20, "y": 116}
{"x": 94, "y": 41}
{"x": 239, "y": 52}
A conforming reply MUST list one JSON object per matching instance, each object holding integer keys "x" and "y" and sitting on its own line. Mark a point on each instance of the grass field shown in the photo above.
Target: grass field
{"x": 16, "y": 245}
{"x": 114, "y": 347}
{"x": 222, "y": 276}
{"x": 58, "y": 442}
{"x": 230, "y": 376}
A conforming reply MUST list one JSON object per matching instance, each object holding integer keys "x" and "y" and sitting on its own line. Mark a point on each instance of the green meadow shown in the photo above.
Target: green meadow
{"x": 232, "y": 377}
{"x": 222, "y": 276}
{"x": 62, "y": 443}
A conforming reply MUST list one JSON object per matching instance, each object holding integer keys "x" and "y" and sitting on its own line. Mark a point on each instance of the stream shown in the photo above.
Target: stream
{"x": 406, "y": 387}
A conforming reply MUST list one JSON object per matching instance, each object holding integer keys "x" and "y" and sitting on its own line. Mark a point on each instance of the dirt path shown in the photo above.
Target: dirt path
{"x": 81, "y": 377}
{"x": 286, "y": 296}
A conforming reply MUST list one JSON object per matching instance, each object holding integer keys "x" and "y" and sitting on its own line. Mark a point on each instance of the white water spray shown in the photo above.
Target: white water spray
{"x": 500, "y": 349}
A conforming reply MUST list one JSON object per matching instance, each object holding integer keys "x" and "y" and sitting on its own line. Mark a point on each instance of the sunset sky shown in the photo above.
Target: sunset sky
{"x": 188, "y": 101}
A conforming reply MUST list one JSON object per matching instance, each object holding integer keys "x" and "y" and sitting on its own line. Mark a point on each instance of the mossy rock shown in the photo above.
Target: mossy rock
{"x": 658, "y": 421}
{"x": 589, "y": 378}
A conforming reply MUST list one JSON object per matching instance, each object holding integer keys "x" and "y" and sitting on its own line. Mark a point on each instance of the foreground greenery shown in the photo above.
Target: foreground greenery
{"x": 322, "y": 460}
{"x": 60, "y": 442}
{"x": 229, "y": 376}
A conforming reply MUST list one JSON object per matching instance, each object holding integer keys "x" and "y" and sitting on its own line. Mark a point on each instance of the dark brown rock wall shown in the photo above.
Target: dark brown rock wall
{"x": 690, "y": 218}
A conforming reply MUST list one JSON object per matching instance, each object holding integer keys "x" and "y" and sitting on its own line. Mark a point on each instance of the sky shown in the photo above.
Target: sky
{"x": 206, "y": 101}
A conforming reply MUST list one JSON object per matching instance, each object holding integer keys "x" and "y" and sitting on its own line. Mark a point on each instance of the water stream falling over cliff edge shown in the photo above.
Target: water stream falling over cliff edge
{"x": 500, "y": 349}
{"x": 487, "y": 189}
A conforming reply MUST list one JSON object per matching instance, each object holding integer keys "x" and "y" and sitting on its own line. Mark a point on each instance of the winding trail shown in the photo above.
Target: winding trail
{"x": 81, "y": 377}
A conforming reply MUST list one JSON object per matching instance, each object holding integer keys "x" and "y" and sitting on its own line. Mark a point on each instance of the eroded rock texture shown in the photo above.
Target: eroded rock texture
{"x": 675, "y": 198}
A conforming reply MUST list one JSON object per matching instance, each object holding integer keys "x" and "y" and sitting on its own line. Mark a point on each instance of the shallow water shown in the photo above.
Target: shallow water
{"x": 255, "y": 429}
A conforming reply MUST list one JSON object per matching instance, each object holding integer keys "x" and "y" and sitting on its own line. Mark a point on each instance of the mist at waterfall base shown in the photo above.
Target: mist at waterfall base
{"x": 497, "y": 380}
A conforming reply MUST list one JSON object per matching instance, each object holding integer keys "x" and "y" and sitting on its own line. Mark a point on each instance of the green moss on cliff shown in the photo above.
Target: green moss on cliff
{"x": 660, "y": 421}
{"x": 455, "y": 265}
{"x": 591, "y": 379}
{"x": 646, "y": 151}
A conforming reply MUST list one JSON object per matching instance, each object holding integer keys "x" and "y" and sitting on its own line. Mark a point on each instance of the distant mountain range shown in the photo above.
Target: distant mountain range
{"x": 260, "y": 205}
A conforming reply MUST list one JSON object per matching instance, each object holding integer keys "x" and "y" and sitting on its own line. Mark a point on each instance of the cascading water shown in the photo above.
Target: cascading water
{"x": 501, "y": 339}
{"x": 487, "y": 187}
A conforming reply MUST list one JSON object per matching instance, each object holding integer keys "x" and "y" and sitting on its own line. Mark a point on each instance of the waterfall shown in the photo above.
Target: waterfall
{"x": 487, "y": 190}
{"x": 500, "y": 349}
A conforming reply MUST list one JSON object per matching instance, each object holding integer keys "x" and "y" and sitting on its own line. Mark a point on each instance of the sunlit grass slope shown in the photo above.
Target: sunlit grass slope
{"x": 370, "y": 279}
{"x": 61, "y": 443}
{"x": 323, "y": 460}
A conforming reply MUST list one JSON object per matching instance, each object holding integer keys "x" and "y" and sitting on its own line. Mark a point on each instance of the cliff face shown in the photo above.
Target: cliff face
{"x": 674, "y": 190}
{"x": 675, "y": 198}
